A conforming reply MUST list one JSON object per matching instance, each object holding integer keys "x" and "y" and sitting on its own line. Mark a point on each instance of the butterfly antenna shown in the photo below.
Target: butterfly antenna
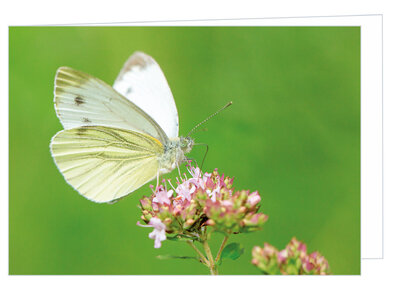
{"x": 208, "y": 118}
{"x": 205, "y": 154}
{"x": 204, "y": 158}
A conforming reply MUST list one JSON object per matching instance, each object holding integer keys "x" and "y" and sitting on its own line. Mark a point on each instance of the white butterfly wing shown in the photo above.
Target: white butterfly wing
{"x": 104, "y": 164}
{"x": 81, "y": 99}
{"x": 142, "y": 82}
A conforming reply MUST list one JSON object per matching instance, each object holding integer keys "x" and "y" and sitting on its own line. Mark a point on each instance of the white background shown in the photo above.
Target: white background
{"x": 80, "y": 12}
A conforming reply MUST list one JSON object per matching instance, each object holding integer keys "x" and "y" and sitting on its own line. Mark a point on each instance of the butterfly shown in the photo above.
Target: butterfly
{"x": 116, "y": 139}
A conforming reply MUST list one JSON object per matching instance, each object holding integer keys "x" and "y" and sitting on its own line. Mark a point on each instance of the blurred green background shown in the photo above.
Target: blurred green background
{"x": 293, "y": 133}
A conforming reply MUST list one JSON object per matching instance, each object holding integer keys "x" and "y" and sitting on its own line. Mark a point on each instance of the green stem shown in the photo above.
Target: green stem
{"x": 221, "y": 248}
{"x": 202, "y": 257}
{"x": 212, "y": 266}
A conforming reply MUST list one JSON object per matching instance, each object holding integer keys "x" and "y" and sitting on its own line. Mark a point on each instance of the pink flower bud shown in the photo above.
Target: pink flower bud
{"x": 167, "y": 221}
{"x": 210, "y": 222}
{"x": 177, "y": 209}
{"x": 145, "y": 203}
{"x": 257, "y": 251}
{"x": 269, "y": 250}
{"x": 282, "y": 256}
{"x": 253, "y": 199}
{"x": 307, "y": 265}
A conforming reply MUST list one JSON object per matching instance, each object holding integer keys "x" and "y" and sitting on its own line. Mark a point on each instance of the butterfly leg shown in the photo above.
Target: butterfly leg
{"x": 158, "y": 179}
{"x": 179, "y": 171}
{"x": 190, "y": 161}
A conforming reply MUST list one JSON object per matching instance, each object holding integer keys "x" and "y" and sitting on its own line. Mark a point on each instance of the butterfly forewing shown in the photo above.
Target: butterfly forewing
{"x": 103, "y": 163}
{"x": 81, "y": 99}
{"x": 142, "y": 82}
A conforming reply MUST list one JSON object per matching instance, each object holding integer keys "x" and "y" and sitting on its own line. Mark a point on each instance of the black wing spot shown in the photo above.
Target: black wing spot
{"x": 86, "y": 120}
{"x": 78, "y": 100}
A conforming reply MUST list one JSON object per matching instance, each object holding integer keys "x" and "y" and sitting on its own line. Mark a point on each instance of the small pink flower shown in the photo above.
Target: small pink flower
{"x": 185, "y": 191}
{"x": 158, "y": 234}
{"x": 227, "y": 203}
{"x": 195, "y": 172}
{"x": 163, "y": 197}
{"x": 209, "y": 183}
{"x": 213, "y": 193}
{"x": 222, "y": 181}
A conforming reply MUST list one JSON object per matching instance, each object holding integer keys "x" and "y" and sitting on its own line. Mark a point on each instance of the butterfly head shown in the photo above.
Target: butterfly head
{"x": 186, "y": 144}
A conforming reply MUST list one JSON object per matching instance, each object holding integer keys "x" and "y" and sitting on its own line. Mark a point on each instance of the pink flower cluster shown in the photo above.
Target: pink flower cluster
{"x": 291, "y": 260}
{"x": 199, "y": 201}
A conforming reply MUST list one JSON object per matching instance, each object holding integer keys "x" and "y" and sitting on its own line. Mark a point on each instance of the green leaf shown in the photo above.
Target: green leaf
{"x": 232, "y": 251}
{"x": 181, "y": 238}
{"x": 174, "y": 238}
{"x": 168, "y": 256}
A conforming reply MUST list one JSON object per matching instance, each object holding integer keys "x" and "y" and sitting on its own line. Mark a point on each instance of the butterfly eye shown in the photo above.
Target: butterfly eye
{"x": 186, "y": 144}
{"x": 183, "y": 142}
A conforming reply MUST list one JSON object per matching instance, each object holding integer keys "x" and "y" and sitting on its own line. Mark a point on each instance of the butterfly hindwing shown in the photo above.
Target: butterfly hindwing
{"x": 104, "y": 164}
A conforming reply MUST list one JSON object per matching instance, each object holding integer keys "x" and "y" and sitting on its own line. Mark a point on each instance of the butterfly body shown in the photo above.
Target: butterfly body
{"x": 116, "y": 139}
{"x": 174, "y": 153}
